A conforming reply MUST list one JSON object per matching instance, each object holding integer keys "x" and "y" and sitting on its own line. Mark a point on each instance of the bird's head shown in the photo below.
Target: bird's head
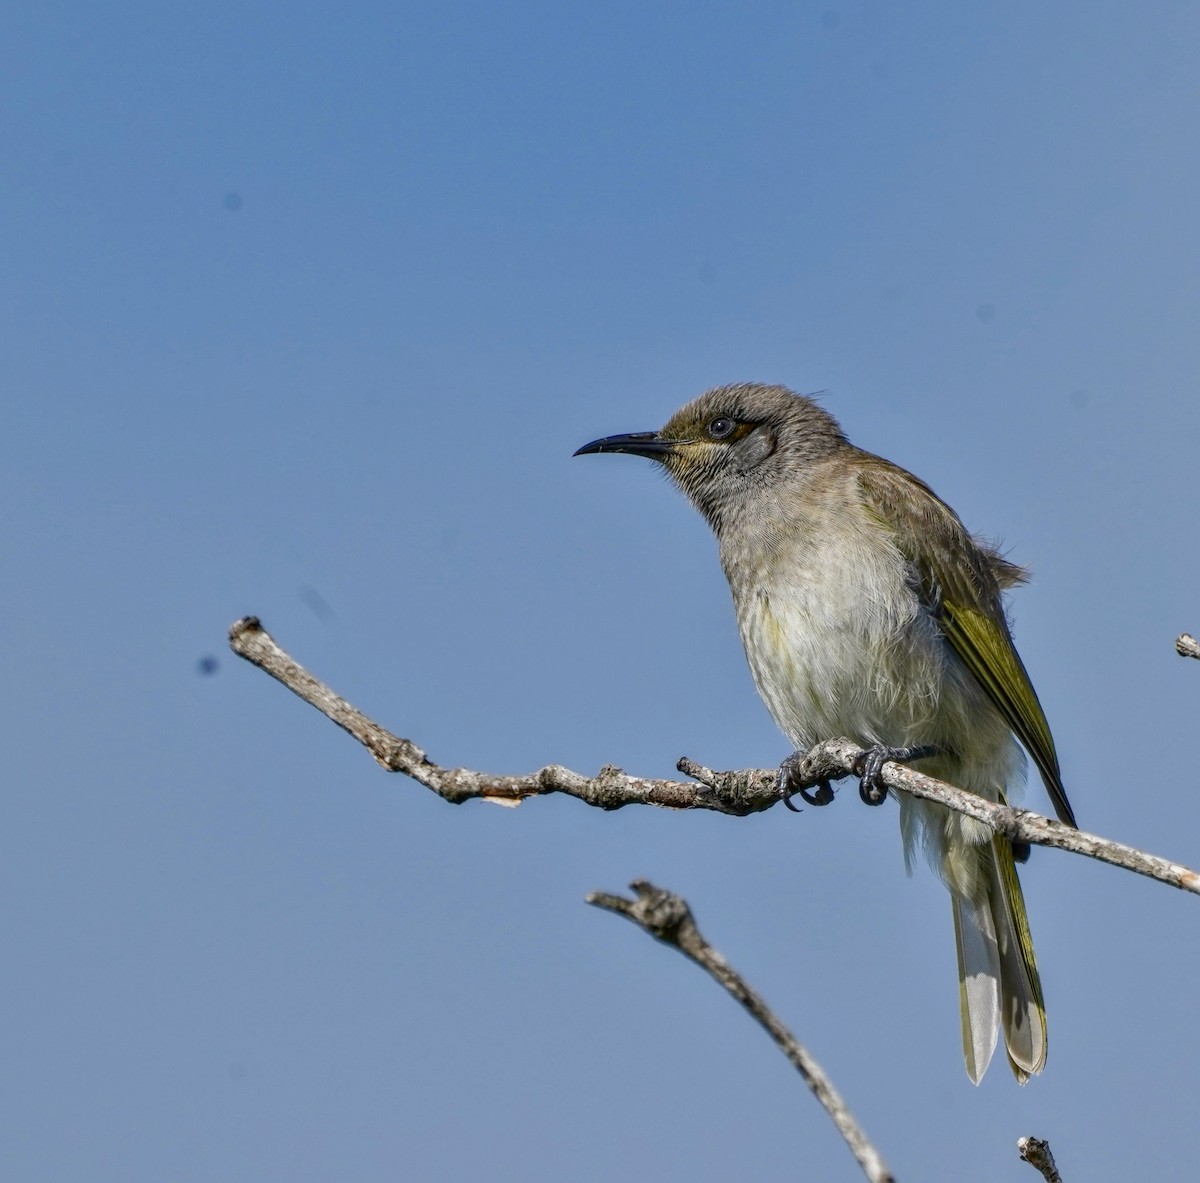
{"x": 733, "y": 441}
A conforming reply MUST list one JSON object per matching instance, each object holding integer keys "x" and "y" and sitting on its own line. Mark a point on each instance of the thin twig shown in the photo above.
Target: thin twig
{"x": 669, "y": 918}
{"x": 1037, "y": 1153}
{"x": 1187, "y": 646}
{"x": 736, "y": 793}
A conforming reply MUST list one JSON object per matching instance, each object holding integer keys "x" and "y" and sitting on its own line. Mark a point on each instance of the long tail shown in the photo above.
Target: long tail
{"x": 998, "y": 982}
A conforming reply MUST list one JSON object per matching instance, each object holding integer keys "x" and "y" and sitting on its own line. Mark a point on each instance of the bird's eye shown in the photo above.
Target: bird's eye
{"x": 721, "y": 428}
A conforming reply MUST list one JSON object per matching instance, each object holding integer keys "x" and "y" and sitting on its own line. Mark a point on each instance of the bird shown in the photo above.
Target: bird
{"x": 868, "y": 611}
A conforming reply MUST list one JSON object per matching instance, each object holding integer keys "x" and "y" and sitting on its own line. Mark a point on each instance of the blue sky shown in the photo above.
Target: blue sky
{"x": 304, "y": 312}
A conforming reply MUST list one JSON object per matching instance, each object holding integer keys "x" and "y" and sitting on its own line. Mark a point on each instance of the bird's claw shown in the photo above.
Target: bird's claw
{"x": 822, "y": 795}
{"x": 869, "y": 766}
{"x": 789, "y": 772}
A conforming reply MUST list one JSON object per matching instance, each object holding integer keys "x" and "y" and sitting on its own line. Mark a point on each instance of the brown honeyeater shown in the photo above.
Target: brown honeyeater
{"x": 867, "y": 610}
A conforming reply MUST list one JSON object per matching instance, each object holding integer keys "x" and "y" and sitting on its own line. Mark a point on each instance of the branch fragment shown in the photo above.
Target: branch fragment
{"x": 668, "y": 918}
{"x": 1036, "y": 1152}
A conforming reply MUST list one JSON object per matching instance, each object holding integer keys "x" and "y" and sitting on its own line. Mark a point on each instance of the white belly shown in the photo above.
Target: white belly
{"x": 841, "y": 646}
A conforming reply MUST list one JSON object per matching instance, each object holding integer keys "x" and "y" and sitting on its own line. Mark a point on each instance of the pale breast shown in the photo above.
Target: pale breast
{"x": 837, "y": 640}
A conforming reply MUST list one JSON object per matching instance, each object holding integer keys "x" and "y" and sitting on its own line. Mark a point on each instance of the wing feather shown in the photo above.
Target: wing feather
{"x": 960, "y": 579}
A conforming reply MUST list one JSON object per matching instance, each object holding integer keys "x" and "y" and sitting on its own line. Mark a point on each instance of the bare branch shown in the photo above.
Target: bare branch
{"x": 1187, "y": 646}
{"x": 1037, "y": 1153}
{"x": 736, "y": 793}
{"x": 740, "y": 793}
{"x": 835, "y": 757}
{"x": 668, "y": 918}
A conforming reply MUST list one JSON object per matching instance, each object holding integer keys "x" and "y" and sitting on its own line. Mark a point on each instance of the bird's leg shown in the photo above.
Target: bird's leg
{"x": 870, "y": 764}
{"x": 789, "y": 773}
{"x": 869, "y": 767}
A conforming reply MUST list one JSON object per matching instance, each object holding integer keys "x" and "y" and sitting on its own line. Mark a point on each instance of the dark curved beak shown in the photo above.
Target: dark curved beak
{"x": 636, "y": 443}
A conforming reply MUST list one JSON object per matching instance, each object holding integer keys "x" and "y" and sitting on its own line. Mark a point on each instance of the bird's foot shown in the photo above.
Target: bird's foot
{"x": 870, "y": 764}
{"x": 790, "y": 773}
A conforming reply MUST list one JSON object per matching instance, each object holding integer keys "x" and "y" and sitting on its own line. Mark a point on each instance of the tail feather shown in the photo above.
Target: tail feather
{"x": 1023, "y": 1011}
{"x": 978, "y": 984}
{"x": 999, "y": 987}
